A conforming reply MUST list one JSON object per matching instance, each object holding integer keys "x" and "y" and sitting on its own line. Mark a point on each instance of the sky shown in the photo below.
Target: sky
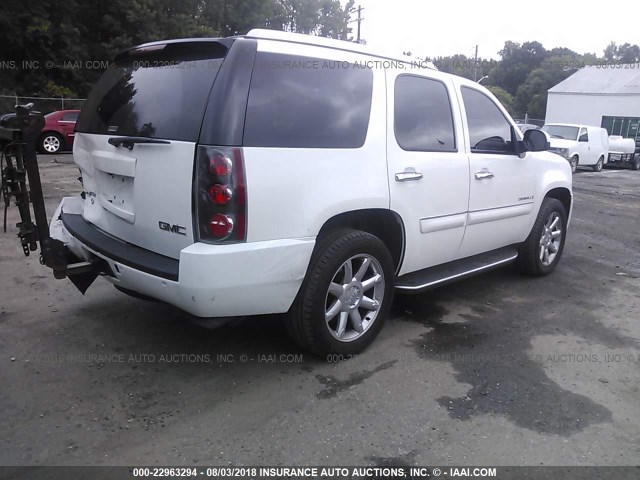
{"x": 446, "y": 27}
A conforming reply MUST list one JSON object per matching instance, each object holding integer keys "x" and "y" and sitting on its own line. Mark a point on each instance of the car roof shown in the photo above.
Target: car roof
{"x": 564, "y": 125}
{"x": 65, "y": 111}
{"x": 277, "y": 35}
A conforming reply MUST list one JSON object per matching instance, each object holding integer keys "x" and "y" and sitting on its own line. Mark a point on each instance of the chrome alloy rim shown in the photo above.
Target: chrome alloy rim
{"x": 354, "y": 297}
{"x": 550, "y": 239}
{"x": 51, "y": 144}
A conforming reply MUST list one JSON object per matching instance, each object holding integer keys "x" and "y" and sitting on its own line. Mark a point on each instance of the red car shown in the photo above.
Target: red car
{"x": 57, "y": 134}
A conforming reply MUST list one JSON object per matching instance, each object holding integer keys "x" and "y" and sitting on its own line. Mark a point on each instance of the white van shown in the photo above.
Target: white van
{"x": 285, "y": 173}
{"x": 582, "y": 145}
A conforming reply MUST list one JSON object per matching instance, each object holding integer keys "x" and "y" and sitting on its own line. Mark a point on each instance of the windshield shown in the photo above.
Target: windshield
{"x": 158, "y": 95}
{"x": 561, "y": 131}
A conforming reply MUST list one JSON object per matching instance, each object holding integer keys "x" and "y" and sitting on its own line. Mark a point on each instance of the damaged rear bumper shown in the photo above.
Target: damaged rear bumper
{"x": 207, "y": 281}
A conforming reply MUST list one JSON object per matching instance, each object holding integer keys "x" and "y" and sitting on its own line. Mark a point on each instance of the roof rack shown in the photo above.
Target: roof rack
{"x": 265, "y": 34}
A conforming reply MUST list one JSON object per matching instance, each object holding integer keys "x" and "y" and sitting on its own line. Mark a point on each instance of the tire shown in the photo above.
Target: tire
{"x": 598, "y": 166}
{"x": 635, "y": 164}
{"x": 50, "y": 142}
{"x": 530, "y": 255}
{"x": 345, "y": 302}
{"x": 574, "y": 163}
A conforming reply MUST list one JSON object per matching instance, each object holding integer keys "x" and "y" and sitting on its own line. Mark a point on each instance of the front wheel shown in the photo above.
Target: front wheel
{"x": 345, "y": 296}
{"x": 574, "y": 163}
{"x": 540, "y": 253}
{"x": 598, "y": 166}
{"x": 635, "y": 164}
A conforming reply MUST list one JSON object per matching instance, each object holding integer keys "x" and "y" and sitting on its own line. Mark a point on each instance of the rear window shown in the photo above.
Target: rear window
{"x": 157, "y": 95}
{"x": 302, "y": 102}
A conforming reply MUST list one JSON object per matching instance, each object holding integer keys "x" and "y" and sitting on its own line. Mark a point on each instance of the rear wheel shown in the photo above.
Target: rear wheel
{"x": 574, "y": 163}
{"x": 598, "y": 166}
{"x": 345, "y": 296}
{"x": 540, "y": 253}
{"x": 50, "y": 142}
{"x": 635, "y": 164}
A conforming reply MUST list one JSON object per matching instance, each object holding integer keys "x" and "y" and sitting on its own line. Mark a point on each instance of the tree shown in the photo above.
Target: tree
{"x": 625, "y": 53}
{"x": 320, "y": 17}
{"x": 517, "y": 61}
{"x": 463, "y": 66}
{"x": 68, "y": 39}
{"x": 531, "y": 96}
{"x": 505, "y": 98}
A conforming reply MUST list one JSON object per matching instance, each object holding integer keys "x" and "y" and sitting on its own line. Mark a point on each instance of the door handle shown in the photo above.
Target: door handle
{"x": 408, "y": 176}
{"x": 483, "y": 175}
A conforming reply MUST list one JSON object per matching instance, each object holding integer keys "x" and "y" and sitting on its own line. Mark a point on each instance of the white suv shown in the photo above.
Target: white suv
{"x": 284, "y": 173}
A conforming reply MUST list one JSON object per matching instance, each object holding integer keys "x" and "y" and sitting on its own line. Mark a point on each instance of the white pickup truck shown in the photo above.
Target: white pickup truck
{"x": 284, "y": 173}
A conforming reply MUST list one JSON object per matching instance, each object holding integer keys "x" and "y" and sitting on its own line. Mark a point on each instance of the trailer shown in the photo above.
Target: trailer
{"x": 623, "y": 152}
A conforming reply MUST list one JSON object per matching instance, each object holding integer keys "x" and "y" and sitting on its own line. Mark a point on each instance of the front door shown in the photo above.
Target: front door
{"x": 502, "y": 185}
{"x": 428, "y": 167}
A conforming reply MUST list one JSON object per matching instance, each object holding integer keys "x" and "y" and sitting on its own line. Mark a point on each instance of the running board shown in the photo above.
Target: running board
{"x": 432, "y": 277}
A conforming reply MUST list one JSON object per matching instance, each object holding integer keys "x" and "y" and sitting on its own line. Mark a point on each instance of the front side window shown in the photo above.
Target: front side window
{"x": 489, "y": 130}
{"x": 303, "y": 102}
{"x": 422, "y": 115}
{"x": 584, "y": 136}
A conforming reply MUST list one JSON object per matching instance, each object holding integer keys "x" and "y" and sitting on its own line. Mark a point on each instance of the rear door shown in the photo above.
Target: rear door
{"x": 66, "y": 125}
{"x": 136, "y": 139}
{"x": 428, "y": 167}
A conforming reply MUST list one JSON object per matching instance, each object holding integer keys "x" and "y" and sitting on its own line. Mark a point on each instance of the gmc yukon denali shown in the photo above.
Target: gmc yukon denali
{"x": 283, "y": 173}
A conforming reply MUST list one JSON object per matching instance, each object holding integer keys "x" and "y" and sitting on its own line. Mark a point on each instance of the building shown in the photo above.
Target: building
{"x": 606, "y": 96}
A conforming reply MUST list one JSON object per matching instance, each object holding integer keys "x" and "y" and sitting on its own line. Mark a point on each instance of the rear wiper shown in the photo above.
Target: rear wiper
{"x": 129, "y": 142}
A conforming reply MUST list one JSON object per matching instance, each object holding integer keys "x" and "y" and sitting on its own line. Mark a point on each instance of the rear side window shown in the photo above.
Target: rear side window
{"x": 158, "y": 95}
{"x": 489, "y": 130}
{"x": 422, "y": 113}
{"x": 302, "y": 102}
{"x": 69, "y": 117}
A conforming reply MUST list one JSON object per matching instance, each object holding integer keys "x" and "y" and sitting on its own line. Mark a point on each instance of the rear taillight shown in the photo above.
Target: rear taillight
{"x": 220, "y": 195}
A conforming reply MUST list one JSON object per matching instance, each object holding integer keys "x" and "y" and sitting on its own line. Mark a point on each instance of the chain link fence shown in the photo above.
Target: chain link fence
{"x": 42, "y": 104}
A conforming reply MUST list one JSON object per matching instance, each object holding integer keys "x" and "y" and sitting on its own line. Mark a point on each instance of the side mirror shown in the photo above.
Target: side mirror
{"x": 535, "y": 141}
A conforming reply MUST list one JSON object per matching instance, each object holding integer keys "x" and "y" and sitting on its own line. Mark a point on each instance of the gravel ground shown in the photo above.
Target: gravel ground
{"x": 496, "y": 370}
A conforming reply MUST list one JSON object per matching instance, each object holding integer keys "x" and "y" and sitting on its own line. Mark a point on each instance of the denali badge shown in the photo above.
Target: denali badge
{"x": 172, "y": 228}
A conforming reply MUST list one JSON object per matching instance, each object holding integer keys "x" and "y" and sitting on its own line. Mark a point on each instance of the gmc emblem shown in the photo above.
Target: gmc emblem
{"x": 172, "y": 228}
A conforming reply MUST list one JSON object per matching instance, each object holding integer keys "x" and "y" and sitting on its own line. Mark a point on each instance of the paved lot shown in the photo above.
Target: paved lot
{"x": 496, "y": 370}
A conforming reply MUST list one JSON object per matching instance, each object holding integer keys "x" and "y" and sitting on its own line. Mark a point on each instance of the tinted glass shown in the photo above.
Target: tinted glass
{"x": 489, "y": 130}
{"x": 422, "y": 113}
{"x": 70, "y": 117}
{"x": 301, "y": 102}
{"x": 160, "y": 95}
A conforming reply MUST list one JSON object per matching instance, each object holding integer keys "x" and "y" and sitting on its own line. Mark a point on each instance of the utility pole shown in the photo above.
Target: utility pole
{"x": 359, "y": 20}
{"x": 475, "y": 66}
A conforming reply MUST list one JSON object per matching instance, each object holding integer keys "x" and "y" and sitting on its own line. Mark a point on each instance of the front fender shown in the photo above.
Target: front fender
{"x": 555, "y": 174}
